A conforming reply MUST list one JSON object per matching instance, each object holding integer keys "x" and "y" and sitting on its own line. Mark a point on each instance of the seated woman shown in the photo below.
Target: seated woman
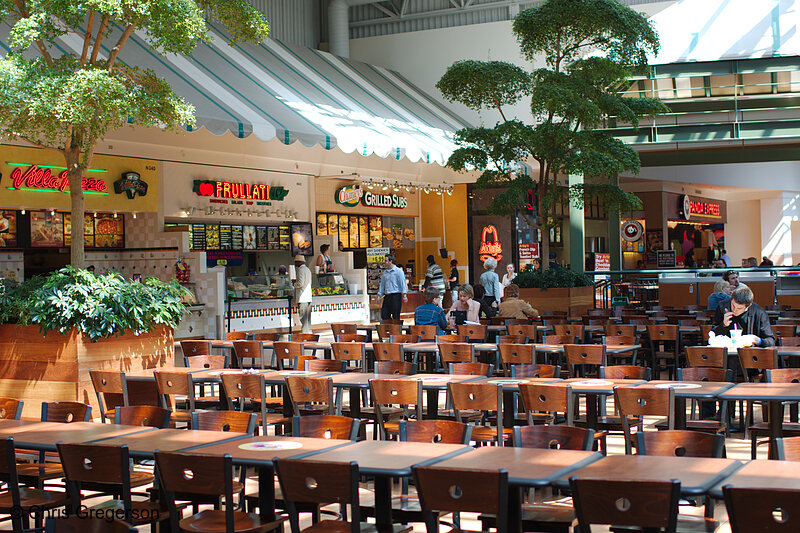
{"x": 513, "y": 307}
{"x": 429, "y": 313}
{"x": 465, "y": 304}
{"x": 721, "y": 294}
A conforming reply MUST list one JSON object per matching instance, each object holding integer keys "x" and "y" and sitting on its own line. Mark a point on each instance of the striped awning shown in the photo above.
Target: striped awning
{"x": 292, "y": 93}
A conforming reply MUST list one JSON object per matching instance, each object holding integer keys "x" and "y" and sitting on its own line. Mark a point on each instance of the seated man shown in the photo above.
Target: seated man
{"x": 513, "y": 307}
{"x": 429, "y": 313}
{"x": 741, "y": 313}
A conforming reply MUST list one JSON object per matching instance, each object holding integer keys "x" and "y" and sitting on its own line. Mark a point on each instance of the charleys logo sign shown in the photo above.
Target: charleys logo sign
{"x": 131, "y": 184}
{"x": 351, "y": 195}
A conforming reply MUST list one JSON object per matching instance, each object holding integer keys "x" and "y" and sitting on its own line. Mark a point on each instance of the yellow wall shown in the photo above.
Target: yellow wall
{"x": 455, "y": 224}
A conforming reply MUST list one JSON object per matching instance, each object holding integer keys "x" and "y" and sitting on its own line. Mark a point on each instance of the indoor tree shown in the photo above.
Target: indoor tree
{"x": 590, "y": 48}
{"x": 67, "y": 101}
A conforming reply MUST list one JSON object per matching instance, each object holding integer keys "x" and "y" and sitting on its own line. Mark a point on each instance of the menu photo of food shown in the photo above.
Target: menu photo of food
{"x": 8, "y": 229}
{"x": 353, "y": 232}
{"x": 375, "y": 232}
{"x": 363, "y": 232}
{"x": 109, "y": 232}
{"x": 249, "y": 236}
{"x": 322, "y": 224}
{"x": 302, "y": 243}
{"x": 47, "y": 229}
{"x": 212, "y": 236}
{"x": 88, "y": 230}
{"x": 333, "y": 225}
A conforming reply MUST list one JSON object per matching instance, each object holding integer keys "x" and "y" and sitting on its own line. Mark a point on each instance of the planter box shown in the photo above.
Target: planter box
{"x": 574, "y": 300}
{"x": 56, "y": 367}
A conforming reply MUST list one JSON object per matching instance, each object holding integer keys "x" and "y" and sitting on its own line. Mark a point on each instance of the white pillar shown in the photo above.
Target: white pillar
{"x": 339, "y": 28}
{"x": 779, "y": 215}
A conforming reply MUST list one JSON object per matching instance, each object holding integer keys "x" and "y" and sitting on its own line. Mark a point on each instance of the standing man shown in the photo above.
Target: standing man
{"x": 303, "y": 292}
{"x": 393, "y": 289}
{"x": 725, "y": 258}
{"x": 434, "y": 277}
{"x": 454, "y": 279}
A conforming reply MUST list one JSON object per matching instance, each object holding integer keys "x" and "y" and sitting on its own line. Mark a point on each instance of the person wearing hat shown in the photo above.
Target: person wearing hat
{"x": 303, "y": 292}
{"x": 553, "y": 263}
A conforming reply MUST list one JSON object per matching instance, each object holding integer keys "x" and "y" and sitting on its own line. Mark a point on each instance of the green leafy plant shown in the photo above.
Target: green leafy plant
{"x": 96, "y": 306}
{"x": 553, "y": 278}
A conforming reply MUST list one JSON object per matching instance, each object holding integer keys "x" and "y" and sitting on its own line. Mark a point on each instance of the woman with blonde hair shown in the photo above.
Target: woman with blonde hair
{"x": 465, "y": 309}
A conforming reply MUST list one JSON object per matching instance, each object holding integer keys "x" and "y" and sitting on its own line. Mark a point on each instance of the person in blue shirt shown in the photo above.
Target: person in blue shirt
{"x": 393, "y": 289}
{"x": 721, "y": 294}
{"x": 429, "y": 313}
{"x": 491, "y": 285}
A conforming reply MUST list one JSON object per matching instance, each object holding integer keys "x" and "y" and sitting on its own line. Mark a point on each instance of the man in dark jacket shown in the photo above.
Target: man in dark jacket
{"x": 741, "y": 313}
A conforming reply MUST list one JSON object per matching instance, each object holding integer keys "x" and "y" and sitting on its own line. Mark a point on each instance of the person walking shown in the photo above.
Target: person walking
{"x": 303, "y": 292}
{"x": 393, "y": 289}
{"x": 434, "y": 277}
{"x": 491, "y": 285}
{"x": 454, "y": 279}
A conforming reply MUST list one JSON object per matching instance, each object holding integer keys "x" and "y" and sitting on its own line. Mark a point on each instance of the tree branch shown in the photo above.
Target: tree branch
{"x": 100, "y": 36}
{"x": 40, "y": 145}
{"x": 87, "y": 39}
{"x": 121, "y": 43}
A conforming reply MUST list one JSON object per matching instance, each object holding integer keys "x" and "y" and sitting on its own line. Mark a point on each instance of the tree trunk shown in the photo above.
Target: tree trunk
{"x": 75, "y": 173}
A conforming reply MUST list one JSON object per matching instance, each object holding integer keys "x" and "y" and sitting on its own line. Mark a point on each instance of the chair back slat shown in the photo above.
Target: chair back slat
{"x": 767, "y": 510}
{"x": 470, "y": 369}
{"x": 535, "y": 371}
{"x": 66, "y": 412}
{"x": 516, "y": 354}
{"x": 706, "y": 356}
{"x": 443, "y": 431}
{"x": 233, "y": 421}
{"x": 343, "y": 329}
{"x": 388, "y": 351}
{"x": 310, "y": 390}
{"x": 195, "y": 347}
{"x": 554, "y": 437}
{"x": 143, "y": 415}
{"x": 208, "y": 361}
{"x": 451, "y": 490}
{"x": 326, "y": 427}
{"x": 400, "y": 368}
{"x": 624, "y": 372}
{"x": 680, "y": 443}
{"x": 456, "y": 352}
{"x": 10, "y": 409}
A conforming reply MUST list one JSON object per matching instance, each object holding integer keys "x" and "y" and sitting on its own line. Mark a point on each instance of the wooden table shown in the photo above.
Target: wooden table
{"x": 595, "y": 390}
{"x": 526, "y": 467}
{"x": 432, "y": 384}
{"x": 386, "y": 460}
{"x": 773, "y": 393}
{"x": 145, "y": 444}
{"x": 43, "y": 436}
{"x": 261, "y": 453}
{"x": 510, "y": 390}
{"x": 695, "y": 390}
{"x": 697, "y": 475}
{"x": 763, "y": 474}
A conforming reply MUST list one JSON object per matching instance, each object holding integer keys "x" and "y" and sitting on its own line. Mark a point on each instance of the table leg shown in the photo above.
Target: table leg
{"x": 383, "y": 501}
{"x": 514, "y": 509}
{"x": 509, "y": 407}
{"x": 680, "y": 413}
{"x": 355, "y": 402}
{"x": 433, "y": 403}
{"x": 591, "y": 411}
{"x": 266, "y": 493}
{"x": 775, "y": 426}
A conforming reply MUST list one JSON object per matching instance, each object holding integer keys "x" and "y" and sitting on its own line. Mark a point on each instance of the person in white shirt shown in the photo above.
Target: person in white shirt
{"x": 508, "y": 277}
{"x": 303, "y": 292}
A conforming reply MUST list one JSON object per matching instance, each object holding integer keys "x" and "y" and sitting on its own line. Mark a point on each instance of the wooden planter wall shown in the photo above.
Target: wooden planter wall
{"x": 574, "y": 300}
{"x": 56, "y": 367}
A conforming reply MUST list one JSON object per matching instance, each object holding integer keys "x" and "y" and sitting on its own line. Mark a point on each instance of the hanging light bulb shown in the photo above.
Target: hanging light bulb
{"x": 426, "y": 189}
{"x": 134, "y": 215}
{"x": 385, "y": 185}
{"x": 23, "y": 211}
{"x": 396, "y": 187}
{"x": 450, "y": 190}
{"x": 115, "y": 214}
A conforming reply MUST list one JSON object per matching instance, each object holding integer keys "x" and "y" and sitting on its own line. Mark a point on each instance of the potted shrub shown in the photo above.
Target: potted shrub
{"x": 556, "y": 289}
{"x": 54, "y": 329}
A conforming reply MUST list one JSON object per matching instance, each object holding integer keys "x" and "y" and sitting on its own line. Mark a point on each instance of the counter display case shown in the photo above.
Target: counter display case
{"x": 328, "y": 284}
{"x": 260, "y": 287}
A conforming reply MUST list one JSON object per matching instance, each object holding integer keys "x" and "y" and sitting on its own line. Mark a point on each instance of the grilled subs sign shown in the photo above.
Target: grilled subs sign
{"x": 352, "y": 195}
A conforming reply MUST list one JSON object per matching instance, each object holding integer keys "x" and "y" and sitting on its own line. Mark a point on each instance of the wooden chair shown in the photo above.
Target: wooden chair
{"x": 449, "y": 339}
{"x": 171, "y": 385}
{"x": 535, "y": 371}
{"x": 394, "y": 400}
{"x": 789, "y": 341}
{"x": 704, "y": 373}
{"x": 204, "y": 477}
{"x": 195, "y": 347}
{"x": 470, "y": 369}
{"x": 287, "y": 351}
{"x": 455, "y": 490}
{"x": 554, "y": 437}
{"x": 788, "y": 448}
{"x": 646, "y": 504}
{"x": 706, "y": 356}
{"x": 111, "y": 389}
{"x": 558, "y": 339}
{"x": 10, "y": 409}
{"x": 515, "y": 354}
{"x": 543, "y": 402}
{"x": 343, "y": 329}
{"x": 266, "y": 336}
{"x": 595, "y": 320}
{"x": 472, "y": 397}
{"x": 312, "y": 364}
{"x": 527, "y": 331}
{"x": 424, "y": 333}
{"x": 388, "y": 351}
{"x": 355, "y": 337}
{"x": 404, "y": 338}
{"x": 322, "y": 483}
{"x": 247, "y": 350}
{"x": 571, "y": 330}
{"x": 385, "y": 331}
{"x": 680, "y": 443}
{"x": 311, "y": 395}
{"x": 304, "y": 337}
{"x": 249, "y": 392}
{"x": 599, "y": 312}
{"x": 760, "y": 430}
{"x": 511, "y": 339}
{"x": 66, "y": 412}
{"x": 625, "y": 372}
{"x": 233, "y": 421}
{"x": 352, "y": 353}
{"x": 235, "y": 335}
{"x": 777, "y": 307}
{"x": 620, "y": 330}
{"x": 757, "y": 360}
{"x": 18, "y": 501}
{"x": 456, "y": 353}
{"x": 98, "y": 467}
{"x": 400, "y": 368}
{"x": 638, "y": 402}
{"x": 763, "y": 510}
{"x": 443, "y": 431}
{"x": 208, "y": 361}
{"x": 142, "y": 415}
{"x": 472, "y": 332}
{"x": 665, "y": 346}
{"x": 582, "y": 356}
{"x": 81, "y": 524}
{"x": 326, "y": 427}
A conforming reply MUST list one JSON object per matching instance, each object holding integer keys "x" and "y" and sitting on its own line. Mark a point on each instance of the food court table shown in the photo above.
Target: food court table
{"x": 261, "y": 453}
{"x": 43, "y": 436}
{"x": 386, "y": 460}
{"x": 595, "y": 390}
{"x": 763, "y": 474}
{"x": 145, "y": 444}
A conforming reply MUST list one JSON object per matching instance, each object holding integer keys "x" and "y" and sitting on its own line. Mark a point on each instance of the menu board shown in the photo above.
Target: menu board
{"x": 363, "y": 232}
{"x": 249, "y": 237}
{"x": 212, "y": 237}
{"x": 8, "y": 229}
{"x": 47, "y": 229}
{"x": 237, "y": 237}
{"x": 375, "y": 260}
{"x": 88, "y": 230}
{"x": 286, "y": 237}
{"x": 344, "y": 230}
{"x": 198, "y": 237}
{"x": 398, "y": 232}
{"x": 322, "y": 224}
{"x": 333, "y": 225}
{"x": 273, "y": 238}
{"x": 354, "y": 232}
{"x": 302, "y": 243}
{"x": 225, "y": 237}
{"x": 108, "y": 231}
{"x": 262, "y": 243}
{"x": 375, "y": 232}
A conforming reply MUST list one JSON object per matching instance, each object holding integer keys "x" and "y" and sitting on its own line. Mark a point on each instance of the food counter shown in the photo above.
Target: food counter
{"x": 688, "y": 288}
{"x": 788, "y": 289}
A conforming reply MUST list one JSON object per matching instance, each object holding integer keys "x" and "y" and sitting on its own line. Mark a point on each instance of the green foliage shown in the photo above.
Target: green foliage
{"x": 551, "y": 278}
{"x": 97, "y": 306}
{"x": 479, "y": 84}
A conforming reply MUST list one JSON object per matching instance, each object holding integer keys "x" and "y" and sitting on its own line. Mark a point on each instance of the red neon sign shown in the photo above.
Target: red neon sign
{"x": 243, "y": 191}
{"x": 41, "y": 178}
{"x": 490, "y": 248}
{"x": 704, "y": 208}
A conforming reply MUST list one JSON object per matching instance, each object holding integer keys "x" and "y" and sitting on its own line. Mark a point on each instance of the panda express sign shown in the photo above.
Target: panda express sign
{"x": 352, "y": 195}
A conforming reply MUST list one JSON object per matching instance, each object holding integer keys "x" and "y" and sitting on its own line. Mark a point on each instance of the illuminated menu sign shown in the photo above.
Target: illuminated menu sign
{"x": 351, "y": 195}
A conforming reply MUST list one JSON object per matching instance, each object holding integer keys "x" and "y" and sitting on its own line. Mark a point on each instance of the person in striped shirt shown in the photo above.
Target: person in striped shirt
{"x": 434, "y": 277}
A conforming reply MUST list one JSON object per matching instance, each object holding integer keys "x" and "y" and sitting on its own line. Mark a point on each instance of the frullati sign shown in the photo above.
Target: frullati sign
{"x": 490, "y": 244}
{"x": 41, "y": 178}
{"x": 239, "y": 191}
